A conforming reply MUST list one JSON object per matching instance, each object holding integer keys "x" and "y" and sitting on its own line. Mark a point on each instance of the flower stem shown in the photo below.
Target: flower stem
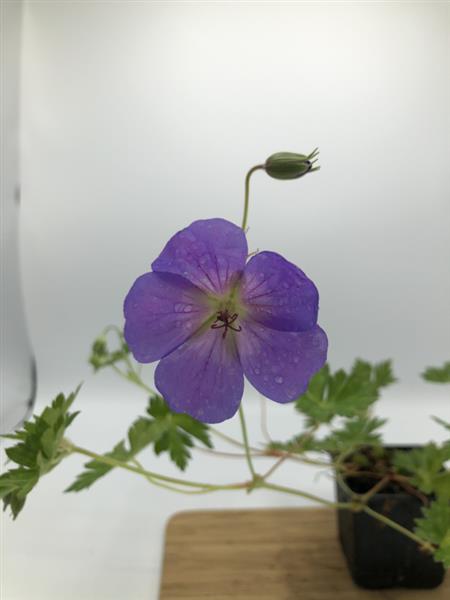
{"x": 222, "y": 454}
{"x": 205, "y": 488}
{"x": 135, "y": 378}
{"x": 247, "y": 194}
{"x": 166, "y": 486}
{"x": 112, "y": 462}
{"x": 312, "y": 497}
{"x": 360, "y": 503}
{"x": 225, "y": 437}
{"x": 274, "y": 467}
{"x": 264, "y": 428}
{"x": 245, "y": 438}
{"x": 409, "y": 534}
{"x": 351, "y": 506}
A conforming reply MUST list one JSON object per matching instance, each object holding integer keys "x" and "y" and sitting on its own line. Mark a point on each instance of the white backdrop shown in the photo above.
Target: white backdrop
{"x": 140, "y": 117}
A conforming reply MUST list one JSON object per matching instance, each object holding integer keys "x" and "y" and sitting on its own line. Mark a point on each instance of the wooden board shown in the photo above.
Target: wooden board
{"x": 276, "y": 554}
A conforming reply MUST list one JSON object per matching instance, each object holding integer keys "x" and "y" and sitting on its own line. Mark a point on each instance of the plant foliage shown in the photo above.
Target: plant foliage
{"x": 434, "y": 527}
{"x": 438, "y": 374}
{"x": 426, "y": 468}
{"x": 344, "y": 394}
{"x": 167, "y": 431}
{"x": 38, "y": 450}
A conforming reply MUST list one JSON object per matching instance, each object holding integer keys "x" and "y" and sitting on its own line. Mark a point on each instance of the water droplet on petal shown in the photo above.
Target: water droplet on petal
{"x": 279, "y": 379}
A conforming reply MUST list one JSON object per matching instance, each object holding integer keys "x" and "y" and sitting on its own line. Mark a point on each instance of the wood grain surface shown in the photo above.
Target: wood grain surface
{"x": 276, "y": 554}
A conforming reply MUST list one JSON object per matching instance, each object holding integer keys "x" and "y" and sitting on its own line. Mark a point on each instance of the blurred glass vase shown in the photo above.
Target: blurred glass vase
{"x": 17, "y": 365}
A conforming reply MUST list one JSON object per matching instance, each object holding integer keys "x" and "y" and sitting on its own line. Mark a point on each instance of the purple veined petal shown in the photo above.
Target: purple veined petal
{"x": 162, "y": 311}
{"x": 210, "y": 253}
{"x": 203, "y": 377}
{"x": 279, "y": 364}
{"x": 278, "y": 294}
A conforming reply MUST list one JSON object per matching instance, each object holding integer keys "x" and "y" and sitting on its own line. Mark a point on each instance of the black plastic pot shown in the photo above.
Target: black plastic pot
{"x": 378, "y": 556}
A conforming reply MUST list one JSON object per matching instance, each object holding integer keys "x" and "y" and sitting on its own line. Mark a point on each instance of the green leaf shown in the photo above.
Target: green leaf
{"x": 194, "y": 428}
{"x": 177, "y": 431}
{"x": 96, "y": 469}
{"x": 22, "y": 455}
{"x": 296, "y": 445}
{"x": 14, "y": 487}
{"x": 441, "y": 485}
{"x": 169, "y": 432}
{"x": 442, "y": 422}
{"x": 157, "y": 407}
{"x": 38, "y": 450}
{"x": 383, "y": 374}
{"x": 142, "y": 433}
{"x": 438, "y": 374}
{"x": 426, "y": 468}
{"x": 18, "y": 480}
{"x": 434, "y": 527}
{"x": 355, "y": 433}
{"x": 341, "y": 394}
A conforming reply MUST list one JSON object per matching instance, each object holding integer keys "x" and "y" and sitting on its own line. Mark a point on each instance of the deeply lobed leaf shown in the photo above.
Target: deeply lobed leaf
{"x": 167, "y": 431}
{"x": 438, "y": 374}
{"x": 426, "y": 468}
{"x": 434, "y": 527}
{"x": 38, "y": 451}
{"x": 355, "y": 433}
{"x": 341, "y": 394}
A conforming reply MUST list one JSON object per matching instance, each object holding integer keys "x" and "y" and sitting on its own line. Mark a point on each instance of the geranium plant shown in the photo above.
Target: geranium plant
{"x": 211, "y": 313}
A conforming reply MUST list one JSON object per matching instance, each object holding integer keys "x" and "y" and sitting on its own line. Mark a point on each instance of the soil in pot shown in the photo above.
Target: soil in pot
{"x": 378, "y": 556}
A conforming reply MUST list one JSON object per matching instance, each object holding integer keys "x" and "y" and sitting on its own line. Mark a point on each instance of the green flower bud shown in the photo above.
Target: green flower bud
{"x": 288, "y": 165}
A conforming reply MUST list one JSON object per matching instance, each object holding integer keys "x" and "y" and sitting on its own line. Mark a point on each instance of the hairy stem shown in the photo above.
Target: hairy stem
{"x": 166, "y": 486}
{"x": 375, "y": 489}
{"x": 409, "y": 534}
{"x": 136, "y": 379}
{"x": 307, "y": 436}
{"x": 274, "y": 467}
{"x": 112, "y": 462}
{"x": 306, "y": 495}
{"x": 245, "y": 438}
{"x": 229, "y": 439}
{"x": 204, "y": 488}
{"x": 264, "y": 428}
{"x": 247, "y": 194}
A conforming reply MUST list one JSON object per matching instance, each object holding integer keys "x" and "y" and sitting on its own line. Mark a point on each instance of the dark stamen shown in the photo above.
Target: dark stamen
{"x": 225, "y": 320}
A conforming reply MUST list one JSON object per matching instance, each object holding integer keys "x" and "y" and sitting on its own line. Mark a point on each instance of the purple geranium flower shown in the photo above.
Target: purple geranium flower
{"x": 210, "y": 317}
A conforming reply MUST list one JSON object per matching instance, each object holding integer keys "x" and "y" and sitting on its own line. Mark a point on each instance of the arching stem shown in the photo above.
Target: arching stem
{"x": 247, "y": 194}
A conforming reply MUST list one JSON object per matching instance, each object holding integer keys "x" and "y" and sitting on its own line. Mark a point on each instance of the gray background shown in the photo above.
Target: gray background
{"x": 139, "y": 117}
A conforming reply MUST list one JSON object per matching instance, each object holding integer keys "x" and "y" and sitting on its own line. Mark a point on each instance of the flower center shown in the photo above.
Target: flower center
{"x": 225, "y": 320}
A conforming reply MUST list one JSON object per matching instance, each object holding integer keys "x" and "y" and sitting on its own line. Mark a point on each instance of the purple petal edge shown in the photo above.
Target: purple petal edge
{"x": 210, "y": 253}
{"x": 161, "y": 312}
{"x": 278, "y": 294}
{"x": 279, "y": 364}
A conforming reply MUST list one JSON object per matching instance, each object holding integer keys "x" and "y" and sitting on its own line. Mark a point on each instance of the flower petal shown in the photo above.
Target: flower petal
{"x": 210, "y": 253}
{"x": 161, "y": 312}
{"x": 203, "y": 377}
{"x": 279, "y": 364}
{"x": 278, "y": 294}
